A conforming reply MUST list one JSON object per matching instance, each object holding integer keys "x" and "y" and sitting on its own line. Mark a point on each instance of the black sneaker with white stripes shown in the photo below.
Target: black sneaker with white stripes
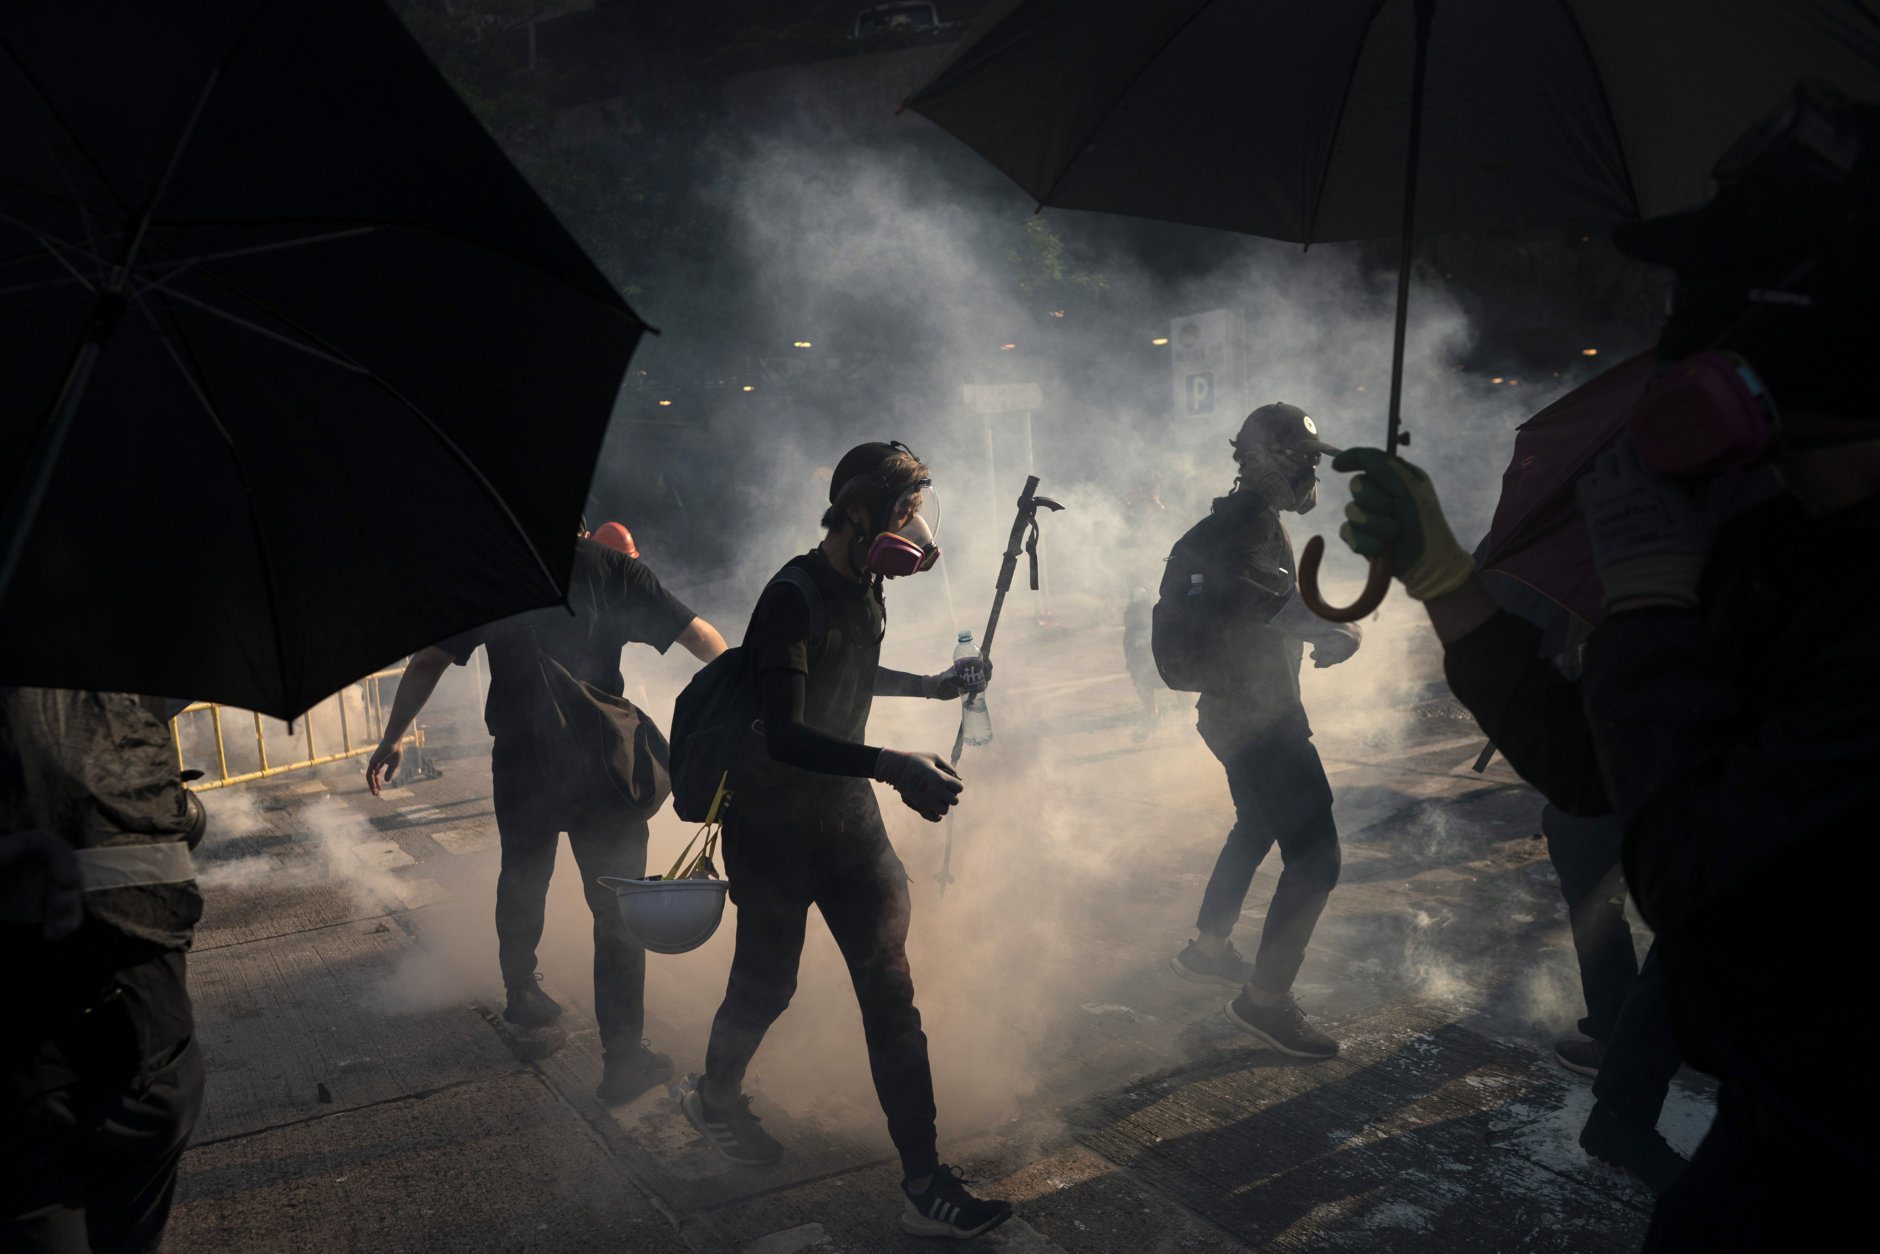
{"x": 946, "y": 1209}
{"x": 730, "y": 1126}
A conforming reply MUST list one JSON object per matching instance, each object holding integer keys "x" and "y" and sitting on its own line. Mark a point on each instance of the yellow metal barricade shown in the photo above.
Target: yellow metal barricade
{"x": 371, "y": 703}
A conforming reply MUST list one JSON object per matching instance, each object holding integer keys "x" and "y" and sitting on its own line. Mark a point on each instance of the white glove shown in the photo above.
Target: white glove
{"x": 1649, "y": 535}
{"x": 926, "y": 781}
{"x": 1331, "y": 643}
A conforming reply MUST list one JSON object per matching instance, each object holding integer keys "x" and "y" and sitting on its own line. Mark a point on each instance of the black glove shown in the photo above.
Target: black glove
{"x": 926, "y": 781}
{"x": 967, "y": 675}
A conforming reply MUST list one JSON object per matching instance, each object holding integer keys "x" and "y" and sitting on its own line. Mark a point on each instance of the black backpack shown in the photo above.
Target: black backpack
{"x": 1189, "y": 629}
{"x": 715, "y": 713}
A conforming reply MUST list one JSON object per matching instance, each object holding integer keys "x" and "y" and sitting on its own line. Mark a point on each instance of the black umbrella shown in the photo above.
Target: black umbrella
{"x": 300, "y": 373}
{"x": 1307, "y": 120}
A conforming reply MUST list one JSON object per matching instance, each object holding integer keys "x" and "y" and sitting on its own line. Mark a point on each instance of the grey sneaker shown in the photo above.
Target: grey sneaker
{"x": 1281, "y": 1026}
{"x": 1229, "y": 970}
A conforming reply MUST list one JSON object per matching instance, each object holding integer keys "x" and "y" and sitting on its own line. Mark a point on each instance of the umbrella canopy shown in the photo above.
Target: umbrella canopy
{"x": 1312, "y": 120}
{"x": 1288, "y": 118}
{"x": 301, "y": 375}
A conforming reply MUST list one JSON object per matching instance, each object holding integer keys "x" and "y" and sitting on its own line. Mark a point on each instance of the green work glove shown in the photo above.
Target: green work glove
{"x": 1394, "y": 510}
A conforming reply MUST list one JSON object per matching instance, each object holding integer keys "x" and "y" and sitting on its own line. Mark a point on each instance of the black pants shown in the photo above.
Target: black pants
{"x": 528, "y": 824}
{"x": 1642, "y": 1052}
{"x": 1626, "y": 1007}
{"x": 1752, "y": 1187}
{"x": 1585, "y": 854}
{"x": 776, "y": 875}
{"x": 1280, "y": 795}
{"x": 94, "y": 1118}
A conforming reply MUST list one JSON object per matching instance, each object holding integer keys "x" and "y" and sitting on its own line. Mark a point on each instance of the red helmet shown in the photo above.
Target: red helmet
{"x": 616, "y": 536}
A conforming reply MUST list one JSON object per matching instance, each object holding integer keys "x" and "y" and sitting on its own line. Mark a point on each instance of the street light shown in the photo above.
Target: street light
{"x": 802, "y": 344}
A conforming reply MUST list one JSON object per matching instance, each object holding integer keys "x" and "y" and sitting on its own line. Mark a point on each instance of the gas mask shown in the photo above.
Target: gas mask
{"x": 1701, "y": 416}
{"x": 1773, "y": 293}
{"x": 907, "y": 539}
{"x": 1286, "y": 479}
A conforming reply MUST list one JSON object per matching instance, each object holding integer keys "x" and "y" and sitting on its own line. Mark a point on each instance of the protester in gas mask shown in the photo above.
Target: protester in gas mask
{"x": 616, "y": 600}
{"x": 101, "y": 1079}
{"x": 804, "y": 828}
{"x": 1734, "y": 684}
{"x": 1229, "y": 625}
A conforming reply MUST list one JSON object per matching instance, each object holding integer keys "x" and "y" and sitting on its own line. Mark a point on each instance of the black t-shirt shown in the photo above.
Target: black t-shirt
{"x": 838, "y": 666}
{"x": 617, "y": 601}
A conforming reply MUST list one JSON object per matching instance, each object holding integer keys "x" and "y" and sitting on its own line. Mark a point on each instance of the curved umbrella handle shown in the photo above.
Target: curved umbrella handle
{"x": 1374, "y": 588}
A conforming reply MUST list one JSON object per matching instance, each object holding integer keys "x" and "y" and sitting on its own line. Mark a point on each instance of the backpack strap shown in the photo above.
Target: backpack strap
{"x": 800, "y": 579}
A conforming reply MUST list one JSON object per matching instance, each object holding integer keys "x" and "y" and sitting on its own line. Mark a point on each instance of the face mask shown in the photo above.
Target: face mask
{"x": 1705, "y": 414}
{"x": 1282, "y": 486}
{"x": 910, "y": 545}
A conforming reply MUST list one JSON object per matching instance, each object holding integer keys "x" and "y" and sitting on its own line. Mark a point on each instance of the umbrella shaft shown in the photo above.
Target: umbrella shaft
{"x": 1425, "y": 10}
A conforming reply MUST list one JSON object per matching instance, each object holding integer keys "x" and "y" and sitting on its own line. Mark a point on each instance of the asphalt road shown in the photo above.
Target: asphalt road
{"x": 364, "y": 1095}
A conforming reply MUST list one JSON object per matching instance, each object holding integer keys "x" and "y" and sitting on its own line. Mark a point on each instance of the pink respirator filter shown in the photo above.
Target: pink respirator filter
{"x": 1704, "y": 415}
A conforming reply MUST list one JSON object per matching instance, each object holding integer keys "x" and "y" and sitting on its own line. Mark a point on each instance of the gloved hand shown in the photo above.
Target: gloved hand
{"x": 1336, "y": 646}
{"x": 1394, "y": 510}
{"x": 1331, "y": 643}
{"x": 1649, "y": 535}
{"x": 926, "y": 781}
{"x": 967, "y": 675}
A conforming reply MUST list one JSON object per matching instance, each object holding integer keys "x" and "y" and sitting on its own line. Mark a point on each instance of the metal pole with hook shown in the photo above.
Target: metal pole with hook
{"x": 1378, "y": 583}
{"x": 1024, "y": 538}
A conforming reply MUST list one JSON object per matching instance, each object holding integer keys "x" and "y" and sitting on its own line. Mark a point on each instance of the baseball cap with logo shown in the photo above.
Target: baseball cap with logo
{"x": 1285, "y": 426}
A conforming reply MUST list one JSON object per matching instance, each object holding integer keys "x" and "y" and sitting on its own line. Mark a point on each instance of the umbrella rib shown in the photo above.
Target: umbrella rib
{"x": 199, "y": 388}
{"x": 189, "y": 377}
{"x": 1338, "y": 123}
{"x": 312, "y": 350}
{"x": 612, "y": 300}
{"x": 51, "y": 247}
{"x": 178, "y": 267}
{"x": 71, "y": 134}
{"x": 1605, "y": 103}
{"x": 1103, "y": 115}
{"x": 341, "y": 356}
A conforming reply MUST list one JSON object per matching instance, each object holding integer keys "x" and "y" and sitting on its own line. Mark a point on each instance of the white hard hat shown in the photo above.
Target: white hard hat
{"x": 669, "y": 916}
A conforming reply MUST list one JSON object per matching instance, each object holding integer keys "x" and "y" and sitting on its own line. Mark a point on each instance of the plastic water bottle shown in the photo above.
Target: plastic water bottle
{"x": 974, "y": 716}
